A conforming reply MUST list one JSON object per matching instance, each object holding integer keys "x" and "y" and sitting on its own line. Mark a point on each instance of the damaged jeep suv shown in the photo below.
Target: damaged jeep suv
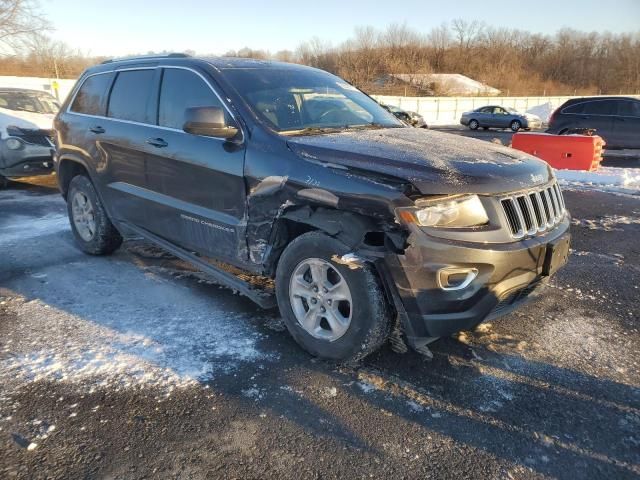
{"x": 291, "y": 186}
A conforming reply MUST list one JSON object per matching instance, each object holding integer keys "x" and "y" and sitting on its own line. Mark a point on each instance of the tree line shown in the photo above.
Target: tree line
{"x": 517, "y": 62}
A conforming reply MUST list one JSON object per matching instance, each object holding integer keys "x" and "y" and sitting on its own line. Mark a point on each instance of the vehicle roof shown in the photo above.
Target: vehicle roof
{"x": 220, "y": 63}
{"x": 582, "y": 99}
{"x": 21, "y": 90}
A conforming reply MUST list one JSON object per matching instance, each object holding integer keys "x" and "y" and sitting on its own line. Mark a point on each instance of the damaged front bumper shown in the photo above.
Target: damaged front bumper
{"x": 441, "y": 286}
{"x": 27, "y": 160}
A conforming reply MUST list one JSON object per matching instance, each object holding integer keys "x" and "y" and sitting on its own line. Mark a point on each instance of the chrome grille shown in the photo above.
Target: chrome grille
{"x": 533, "y": 211}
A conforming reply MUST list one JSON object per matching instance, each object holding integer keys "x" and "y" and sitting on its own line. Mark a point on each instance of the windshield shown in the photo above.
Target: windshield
{"x": 293, "y": 100}
{"x": 29, "y": 102}
{"x": 511, "y": 110}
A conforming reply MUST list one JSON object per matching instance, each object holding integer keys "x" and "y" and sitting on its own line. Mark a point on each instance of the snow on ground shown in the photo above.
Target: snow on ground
{"x": 96, "y": 321}
{"x": 606, "y": 179}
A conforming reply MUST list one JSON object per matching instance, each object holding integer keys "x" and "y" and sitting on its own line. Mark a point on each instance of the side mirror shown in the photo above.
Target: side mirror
{"x": 208, "y": 122}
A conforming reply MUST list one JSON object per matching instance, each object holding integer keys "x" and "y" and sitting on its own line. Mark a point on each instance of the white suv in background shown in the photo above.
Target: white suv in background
{"x": 26, "y": 129}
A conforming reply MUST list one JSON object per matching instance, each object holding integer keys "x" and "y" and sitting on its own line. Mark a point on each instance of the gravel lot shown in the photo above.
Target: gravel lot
{"x": 135, "y": 366}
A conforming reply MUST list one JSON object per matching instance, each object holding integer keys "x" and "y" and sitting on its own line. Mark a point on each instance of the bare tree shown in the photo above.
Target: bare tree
{"x": 19, "y": 19}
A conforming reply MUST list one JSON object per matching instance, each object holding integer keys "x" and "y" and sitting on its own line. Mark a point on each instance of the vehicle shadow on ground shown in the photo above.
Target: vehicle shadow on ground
{"x": 45, "y": 185}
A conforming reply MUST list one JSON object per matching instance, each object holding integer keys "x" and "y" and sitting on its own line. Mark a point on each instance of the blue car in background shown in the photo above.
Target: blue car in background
{"x": 495, "y": 116}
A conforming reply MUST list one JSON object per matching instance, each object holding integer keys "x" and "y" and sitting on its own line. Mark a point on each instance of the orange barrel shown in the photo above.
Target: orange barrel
{"x": 563, "y": 152}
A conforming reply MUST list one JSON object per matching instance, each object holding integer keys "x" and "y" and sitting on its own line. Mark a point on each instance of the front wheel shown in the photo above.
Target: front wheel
{"x": 333, "y": 305}
{"x": 515, "y": 125}
{"x": 92, "y": 229}
{"x": 473, "y": 124}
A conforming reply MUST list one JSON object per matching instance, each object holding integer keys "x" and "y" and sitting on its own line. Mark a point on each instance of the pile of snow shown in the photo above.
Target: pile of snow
{"x": 608, "y": 179}
{"x": 542, "y": 111}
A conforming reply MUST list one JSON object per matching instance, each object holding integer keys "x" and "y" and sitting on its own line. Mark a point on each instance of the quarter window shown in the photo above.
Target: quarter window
{"x": 182, "y": 89}
{"x": 130, "y": 94}
{"x": 577, "y": 108}
{"x": 89, "y": 99}
{"x": 628, "y": 108}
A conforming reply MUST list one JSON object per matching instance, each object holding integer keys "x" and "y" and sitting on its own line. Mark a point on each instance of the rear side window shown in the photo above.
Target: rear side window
{"x": 577, "y": 108}
{"x": 601, "y": 107}
{"x": 90, "y": 98}
{"x": 182, "y": 89}
{"x": 628, "y": 108}
{"x": 130, "y": 94}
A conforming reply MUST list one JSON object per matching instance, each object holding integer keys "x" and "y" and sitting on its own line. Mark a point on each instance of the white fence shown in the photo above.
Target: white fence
{"x": 37, "y": 83}
{"x": 447, "y": 110}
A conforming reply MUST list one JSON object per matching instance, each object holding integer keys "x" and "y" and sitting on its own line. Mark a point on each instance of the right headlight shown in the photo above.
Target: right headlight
{"x": 13, "y": 143}
{"x": 452, "y": 212}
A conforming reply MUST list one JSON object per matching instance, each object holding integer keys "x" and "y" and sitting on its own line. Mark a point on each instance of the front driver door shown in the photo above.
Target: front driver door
{"x": 196, "y": 191}
{"x": 626, "y": 124}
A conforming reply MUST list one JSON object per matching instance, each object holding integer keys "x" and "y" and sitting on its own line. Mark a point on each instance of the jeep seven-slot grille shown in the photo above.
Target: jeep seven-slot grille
{"x": 533, "y": 211}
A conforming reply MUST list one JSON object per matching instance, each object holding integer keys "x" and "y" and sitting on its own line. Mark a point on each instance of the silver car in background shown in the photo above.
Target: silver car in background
{"x": 495, "y": 116}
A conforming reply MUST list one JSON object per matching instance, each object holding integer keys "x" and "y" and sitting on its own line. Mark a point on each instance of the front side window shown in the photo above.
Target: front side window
{"x": 628, "y": 108}
{"x": 182, "y": 89}
{"x": 34, "y": 102}
{"x": 290, "y": 100}
{"x": 89, "y": 99}
{"x": 130, "y": 94}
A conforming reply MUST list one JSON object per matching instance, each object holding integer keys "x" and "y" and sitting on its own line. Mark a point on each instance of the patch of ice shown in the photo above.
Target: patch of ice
{"x": 17, "y": 228}
{"x": 131, "y": 350}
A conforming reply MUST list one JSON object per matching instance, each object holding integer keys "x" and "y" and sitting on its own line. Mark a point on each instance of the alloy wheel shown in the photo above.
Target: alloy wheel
{"x": 83, "y": 216}
{"x": 321, "y": 299}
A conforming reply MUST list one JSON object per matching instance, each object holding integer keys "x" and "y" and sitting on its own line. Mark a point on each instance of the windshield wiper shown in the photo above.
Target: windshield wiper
{"x": 312, "y": 130}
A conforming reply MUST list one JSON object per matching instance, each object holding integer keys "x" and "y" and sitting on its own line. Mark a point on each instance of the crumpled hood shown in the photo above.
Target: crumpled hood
{"x": 28, "y": 120}
{"x": 434, "y": 162}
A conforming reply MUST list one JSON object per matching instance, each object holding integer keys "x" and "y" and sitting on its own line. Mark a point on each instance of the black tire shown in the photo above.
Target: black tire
{"x": 515, "y": 125}
{"x": 105, "y": 238}
{"x": 473, "y": 124}
{"x": 370, "y": 318}
{"x": 4, "y": 182}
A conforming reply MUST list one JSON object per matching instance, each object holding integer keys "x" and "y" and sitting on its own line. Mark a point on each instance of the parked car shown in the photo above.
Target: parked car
{"x": 615, "y": 119}
{"x": 348, "y": 220}
{"x": 26, "y": 122}
{"x": 410, "y": 118}
{"x": 494, "y": 116}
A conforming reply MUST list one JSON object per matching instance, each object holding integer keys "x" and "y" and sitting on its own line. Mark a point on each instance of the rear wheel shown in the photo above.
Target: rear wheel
{"x": 334, "y": 308}
{"x": 515, "y": 125}
{"x": 92, "y": 229}
{"x": 473, "y": 124}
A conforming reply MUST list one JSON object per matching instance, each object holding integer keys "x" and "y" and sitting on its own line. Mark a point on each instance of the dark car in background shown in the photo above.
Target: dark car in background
{"x": 327, "y": 205}
{"x": 495, "y": 116}
{"x": 26, "y": 133}
{"x": 615, "y": 119}
{"x": 410, "y": 118}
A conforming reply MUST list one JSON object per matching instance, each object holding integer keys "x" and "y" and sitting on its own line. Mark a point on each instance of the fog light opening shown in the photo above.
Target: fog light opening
{"x": 454, "y": 278}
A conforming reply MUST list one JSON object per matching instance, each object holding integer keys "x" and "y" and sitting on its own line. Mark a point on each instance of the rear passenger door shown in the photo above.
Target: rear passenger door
{"x": 122, "y": 143}
{"x": 196, "y": 191}
{"x": 598, "y": 114}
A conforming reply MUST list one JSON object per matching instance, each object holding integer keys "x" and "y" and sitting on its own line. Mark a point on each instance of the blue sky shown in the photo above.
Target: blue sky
{"x": 119, "y": 27}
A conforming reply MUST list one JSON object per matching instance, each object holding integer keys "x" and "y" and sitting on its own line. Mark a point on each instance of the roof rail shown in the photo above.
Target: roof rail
{"x": 146, "y": 57}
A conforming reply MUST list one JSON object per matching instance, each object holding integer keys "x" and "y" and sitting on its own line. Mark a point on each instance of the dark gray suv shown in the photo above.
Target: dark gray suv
{"x": 293, "y": 187}
{"x": 616, "y": 119}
